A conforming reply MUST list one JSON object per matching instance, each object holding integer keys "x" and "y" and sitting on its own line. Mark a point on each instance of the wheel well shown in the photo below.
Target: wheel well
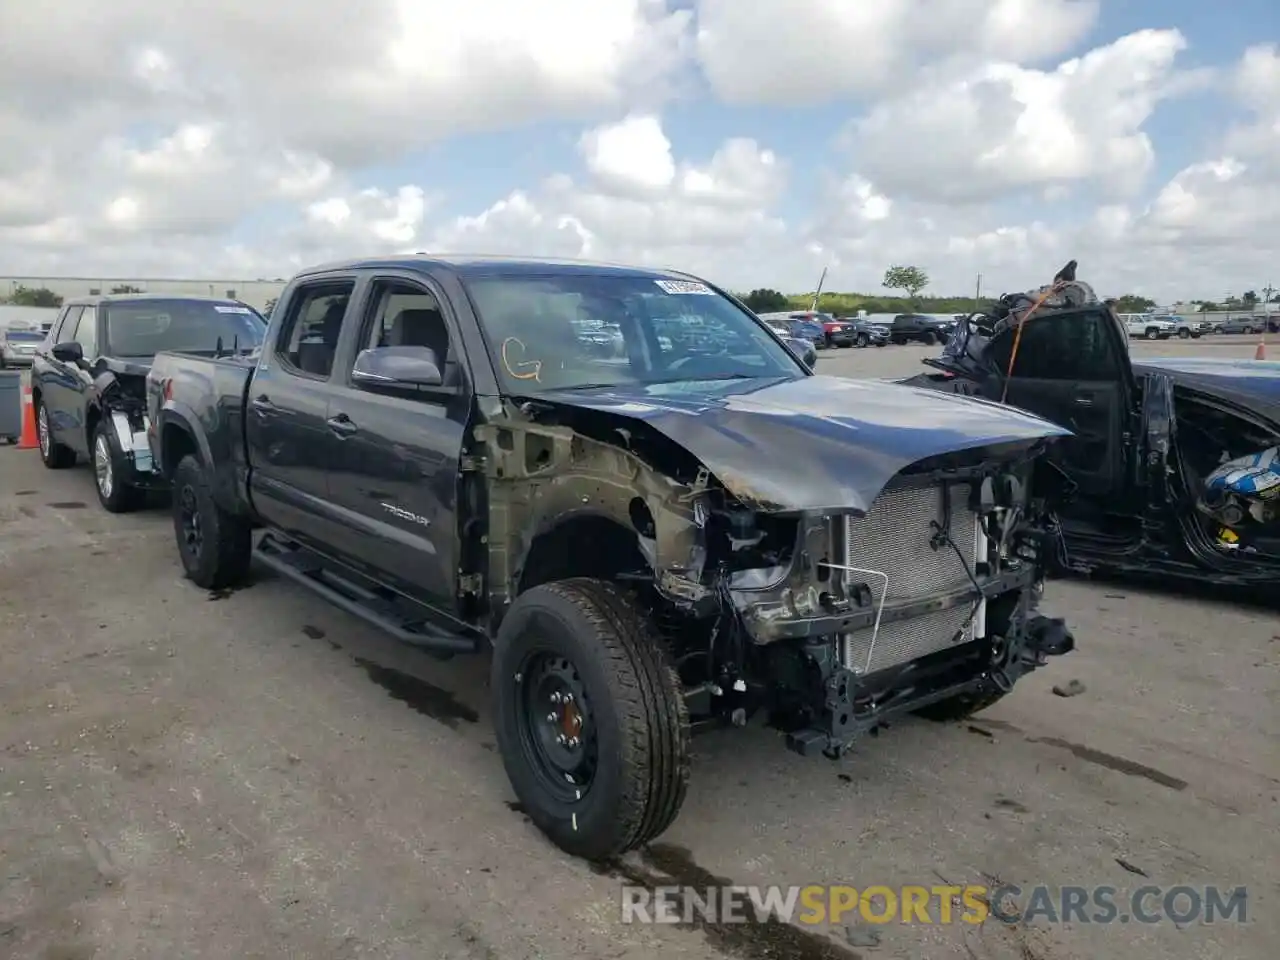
{"x": 175, "y": 443}
{"x": 92, "y": 418}
{"x": 583, "y": 546}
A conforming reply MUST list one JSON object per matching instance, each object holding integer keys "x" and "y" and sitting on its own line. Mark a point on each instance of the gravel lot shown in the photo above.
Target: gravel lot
{"x": 256, "y": 774}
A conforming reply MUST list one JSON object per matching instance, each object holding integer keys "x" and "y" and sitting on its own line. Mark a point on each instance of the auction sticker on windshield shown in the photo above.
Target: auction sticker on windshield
{"x": 685, "y": 286}
{"x": 221, "y": 309}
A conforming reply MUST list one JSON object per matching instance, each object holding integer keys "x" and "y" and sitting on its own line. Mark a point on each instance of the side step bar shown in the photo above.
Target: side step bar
{"x": 304, "y": 568}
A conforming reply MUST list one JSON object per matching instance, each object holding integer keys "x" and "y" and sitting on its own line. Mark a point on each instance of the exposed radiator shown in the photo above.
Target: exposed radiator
{"x": 894, "y": 537}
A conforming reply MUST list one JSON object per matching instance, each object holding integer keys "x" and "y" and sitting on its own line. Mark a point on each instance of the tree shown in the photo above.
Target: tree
{"x": 270, "y": 305}
{"x": 1250, "y": 297}
{"x": 910, "y": 280}
{"x": 765, "y": 300}
{"x": 127, "y": 288}
{"x": 1132, "y": 303}
{"x": 37, "y": 297}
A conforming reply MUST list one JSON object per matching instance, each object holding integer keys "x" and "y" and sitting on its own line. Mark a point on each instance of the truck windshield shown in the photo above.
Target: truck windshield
{"x": 575, "y": 331}
{"x": 143, "y": 328}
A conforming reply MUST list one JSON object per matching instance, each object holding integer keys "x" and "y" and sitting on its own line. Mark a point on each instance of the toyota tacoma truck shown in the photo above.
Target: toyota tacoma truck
{"x": 693, "y": 532}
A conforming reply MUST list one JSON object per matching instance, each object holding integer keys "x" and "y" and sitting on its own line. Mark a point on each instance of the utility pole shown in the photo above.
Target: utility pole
{"x": 818, "y": 293}
{"x": 977, "y": 294}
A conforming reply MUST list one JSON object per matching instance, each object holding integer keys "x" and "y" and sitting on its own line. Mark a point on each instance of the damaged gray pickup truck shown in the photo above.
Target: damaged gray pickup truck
{"x": 678, "y": 526}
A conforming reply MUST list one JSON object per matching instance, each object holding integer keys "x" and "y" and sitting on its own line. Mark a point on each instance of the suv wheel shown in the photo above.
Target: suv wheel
{"x": 1184, "y": 333}
{"x": 215, "y": 546}
{"x": 590, "y": 720}
{"x": 1153, "y": 333}
{"x": 53, "y": 454}
{"x": 862, "y": 340}
{"x": 929, "y": 339}
{"x": 109, "y": 469}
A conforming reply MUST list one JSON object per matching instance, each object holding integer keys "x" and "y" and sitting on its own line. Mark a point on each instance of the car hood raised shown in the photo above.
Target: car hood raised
{"x": 1254, "y": 384}
{"x": 812, "y": 443}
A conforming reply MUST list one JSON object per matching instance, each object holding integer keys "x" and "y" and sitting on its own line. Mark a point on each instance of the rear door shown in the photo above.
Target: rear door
{"x": 1072, "y": 369}
{"x": 288, "y": 405}
{"x": 394, "y": 451}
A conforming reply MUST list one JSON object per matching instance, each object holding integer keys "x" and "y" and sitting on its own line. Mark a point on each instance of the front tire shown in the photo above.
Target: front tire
{"x": 54, "y": 455}
{"x": 1184, "y": 334}
{"x": 863, "y": 340}
{"x": 590, "y": 720}
{"x": 1153, "y": 334}
{"x": 216, "y": 546}
{"x": 109, "y": 468}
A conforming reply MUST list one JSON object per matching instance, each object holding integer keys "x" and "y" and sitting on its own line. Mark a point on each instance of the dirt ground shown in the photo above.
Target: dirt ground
{"x": 255, "y": 774}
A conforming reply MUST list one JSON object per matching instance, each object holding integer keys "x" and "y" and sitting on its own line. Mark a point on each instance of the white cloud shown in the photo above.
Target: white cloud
{"x": 791, "y": 51}
{"x": 1006, "y": 127}
{"x": 242, "y": 138}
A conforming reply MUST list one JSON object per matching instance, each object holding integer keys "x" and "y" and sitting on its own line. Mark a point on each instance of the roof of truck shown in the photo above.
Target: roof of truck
{"x": 487, "y": 264}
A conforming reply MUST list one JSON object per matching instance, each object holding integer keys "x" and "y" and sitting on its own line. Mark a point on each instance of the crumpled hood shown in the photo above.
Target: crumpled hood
{"x": 1254, "y": 384}
{"x": 812, "y": 443}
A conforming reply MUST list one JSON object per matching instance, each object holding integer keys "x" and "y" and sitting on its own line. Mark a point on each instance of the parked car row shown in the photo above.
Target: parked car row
{"x": 653, "y": 541}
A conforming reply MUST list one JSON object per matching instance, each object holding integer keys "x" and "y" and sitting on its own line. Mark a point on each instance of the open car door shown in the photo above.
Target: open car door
{"x": 1073, "y": 369}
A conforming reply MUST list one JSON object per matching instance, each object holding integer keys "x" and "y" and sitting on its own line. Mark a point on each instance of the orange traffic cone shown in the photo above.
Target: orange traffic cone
{"x": 29, "y": 439}
{"x": 1261, "y": 352}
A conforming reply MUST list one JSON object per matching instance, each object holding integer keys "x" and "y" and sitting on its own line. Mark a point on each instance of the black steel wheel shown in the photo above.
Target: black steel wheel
{"x": 558, "y": 735}
{"x": 589, "y": 716}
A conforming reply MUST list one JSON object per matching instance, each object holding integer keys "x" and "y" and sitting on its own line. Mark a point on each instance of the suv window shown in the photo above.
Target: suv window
{"x": 67, "y": 325}
{"x": 308, "y": 339}
{"x": 403, "y": 314}
{"x": 87, "y": 332}
{"x": 1061, "y": 347}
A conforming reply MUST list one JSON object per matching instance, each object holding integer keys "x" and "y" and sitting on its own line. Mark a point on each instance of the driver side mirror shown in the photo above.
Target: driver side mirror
{"x": 69, "y": 352}
{"x": 397, "y": 366}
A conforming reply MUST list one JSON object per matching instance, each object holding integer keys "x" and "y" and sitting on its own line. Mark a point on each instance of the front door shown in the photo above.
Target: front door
{"x": 1070, "y": 369}
{"x": 288, "y": 405}
{"x": 394, "y": 452}
{"x": 57, "y": 381}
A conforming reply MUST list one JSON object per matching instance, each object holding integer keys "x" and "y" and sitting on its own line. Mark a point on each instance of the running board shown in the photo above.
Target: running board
{"x": 305, "y": 568}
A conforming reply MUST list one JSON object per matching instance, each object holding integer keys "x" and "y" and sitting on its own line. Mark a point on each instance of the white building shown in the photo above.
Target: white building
{"x": 256, "y": 293}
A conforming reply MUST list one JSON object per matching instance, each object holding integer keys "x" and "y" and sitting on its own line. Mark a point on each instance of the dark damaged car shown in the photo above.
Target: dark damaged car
{"x": 88, "y": 379}
{"x": 651, "y": 542}
{"x": 1173, "y": 466}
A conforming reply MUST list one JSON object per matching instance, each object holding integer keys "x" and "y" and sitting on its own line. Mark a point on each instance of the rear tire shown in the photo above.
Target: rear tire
{"x": 959, "y": 708}
{"x": 54, "y": 455}
{"x": 216, "y": 546}
{"x": 621, "y": 783}
{"x": 1184, "y": 333}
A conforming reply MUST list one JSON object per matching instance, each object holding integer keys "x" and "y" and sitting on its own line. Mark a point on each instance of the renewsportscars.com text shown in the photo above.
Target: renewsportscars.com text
{"x": 936, "y": 904}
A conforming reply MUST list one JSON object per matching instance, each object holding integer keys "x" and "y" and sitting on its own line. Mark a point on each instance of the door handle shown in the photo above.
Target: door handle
{"x": 262, "y": 405}
{"x": 1084, "y": 400}
{"x": 342, "y": 425}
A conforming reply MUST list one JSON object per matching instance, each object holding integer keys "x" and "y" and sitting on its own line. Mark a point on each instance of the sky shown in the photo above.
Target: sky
{"x": 752, "y": 143}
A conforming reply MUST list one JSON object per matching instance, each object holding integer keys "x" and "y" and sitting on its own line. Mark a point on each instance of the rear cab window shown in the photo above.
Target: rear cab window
{"x": 143, "y": 328}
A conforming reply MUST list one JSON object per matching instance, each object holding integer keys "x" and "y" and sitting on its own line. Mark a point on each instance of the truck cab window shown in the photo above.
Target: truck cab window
{"x": 403, "y": 314}
{"x": 1069, "y": 346}
{"x": 309, "y": 338}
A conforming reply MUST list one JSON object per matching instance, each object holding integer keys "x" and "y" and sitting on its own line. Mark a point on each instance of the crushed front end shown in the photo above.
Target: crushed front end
{"x": 928, "y": 598}
{"x": 121, "y": 390}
